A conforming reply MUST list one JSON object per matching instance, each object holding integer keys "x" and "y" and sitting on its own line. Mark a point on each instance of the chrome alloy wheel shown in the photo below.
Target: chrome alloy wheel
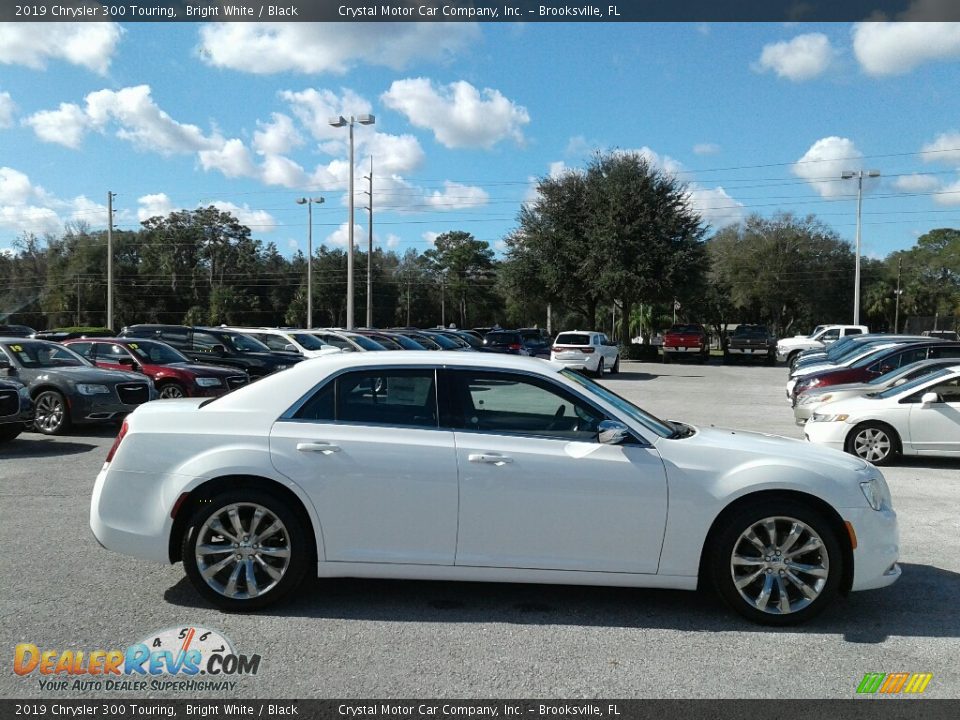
{"x": 171, "y": 390}
{"x": 779, "y": 565}
{"x": 49, "y": 412}
{"x": 872, "y": 444}
{"x": 243, "y": 550}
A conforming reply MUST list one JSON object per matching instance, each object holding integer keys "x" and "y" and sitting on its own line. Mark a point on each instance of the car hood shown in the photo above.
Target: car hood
{"x": 861, "y": 405}
{"x": 84, "y": 374}
{"x": 741, "y": 447}
{"x": 842, "y": 388}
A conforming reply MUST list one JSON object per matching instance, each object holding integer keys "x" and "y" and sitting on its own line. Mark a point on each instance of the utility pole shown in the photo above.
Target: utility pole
{"x": 370, "y": 250}
{"x": 110, "y": 197}
{"x": 443, "y": 300}
{"x": 859, "y": 175}
{"x": 78, "y": 299}
{"x": 896, "y": 314}
{"x": 408, "y": 301}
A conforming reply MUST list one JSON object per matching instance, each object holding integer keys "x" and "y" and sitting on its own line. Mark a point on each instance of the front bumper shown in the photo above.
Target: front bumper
{"x": 831, "y": 434}
{"x": 878, "y": 547}
{"x": 98, "y": 408}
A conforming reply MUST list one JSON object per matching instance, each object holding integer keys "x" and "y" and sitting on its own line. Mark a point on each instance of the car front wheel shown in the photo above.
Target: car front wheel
{"x": 245, "y": 550}
{"x": 51, "y": 416}
{"x": 172, "y": 390}
{"x": 777, "y": 562}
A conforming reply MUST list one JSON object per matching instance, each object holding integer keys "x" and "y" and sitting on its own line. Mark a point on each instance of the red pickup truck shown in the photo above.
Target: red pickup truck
{"x": 688, "y": 340}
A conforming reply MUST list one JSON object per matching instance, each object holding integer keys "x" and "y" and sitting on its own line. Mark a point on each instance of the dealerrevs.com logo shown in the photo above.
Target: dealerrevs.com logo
{"x": 181, "y": 659}
{"x": 894, "y": 683}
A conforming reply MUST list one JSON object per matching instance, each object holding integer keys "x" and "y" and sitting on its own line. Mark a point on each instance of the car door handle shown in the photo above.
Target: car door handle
{"x": 489, "y": 458}
{"x": 318, "y": 447}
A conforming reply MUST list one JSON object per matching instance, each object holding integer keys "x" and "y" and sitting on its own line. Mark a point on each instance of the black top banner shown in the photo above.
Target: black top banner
{"x": 481, "y": 11}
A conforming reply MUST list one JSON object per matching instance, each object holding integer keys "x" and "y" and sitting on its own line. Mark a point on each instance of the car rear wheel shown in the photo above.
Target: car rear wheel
{"x": 51, "y": 416}
{"x": 616, "y": 366}
{"x": 245, "y": 549}
{"x": 599, "y": 370}
{"x": 171, "y": 390}
{"x": 777, "y": 562}
{"x": 874, "y": 442}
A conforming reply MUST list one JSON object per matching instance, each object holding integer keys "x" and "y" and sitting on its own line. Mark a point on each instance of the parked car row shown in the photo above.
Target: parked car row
{"x": 879, "y": 396}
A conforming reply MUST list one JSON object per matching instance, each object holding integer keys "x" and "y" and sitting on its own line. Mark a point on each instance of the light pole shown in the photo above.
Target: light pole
{"x": 309, "y": 203}
{"x": 340, "y": 121}
{"x": 859, "y": 175}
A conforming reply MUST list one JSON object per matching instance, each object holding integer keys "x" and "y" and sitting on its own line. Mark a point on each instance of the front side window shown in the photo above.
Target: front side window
{"x": 83, "y": 348}
{"x": 518, "y": 404}
{"x": 854, "y": 331}
{"x": 830, "y": 335}
{"x": 403, "y": 398}
{"x": 949, "y": 390}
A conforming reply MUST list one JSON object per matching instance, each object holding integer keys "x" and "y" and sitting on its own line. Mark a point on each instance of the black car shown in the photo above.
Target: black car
{"x": 217, "y": 346}
{"x": 16, "y": 331}
{"x": 71, "y": 333}
{"x": 515, "y": 342}
{"x": 67, "y": 389}
{"x": 750, "y": 342}
{"x": 16, "y": 407}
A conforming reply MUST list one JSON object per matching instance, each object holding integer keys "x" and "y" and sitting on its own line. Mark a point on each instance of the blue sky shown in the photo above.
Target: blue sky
{"x": 755, "y": 117}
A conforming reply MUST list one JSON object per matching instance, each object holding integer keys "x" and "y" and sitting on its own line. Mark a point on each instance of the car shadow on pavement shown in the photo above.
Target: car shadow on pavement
{"x": 931, "y": 463}
{"x": 31, "y": 445}
{"x": 863, "y": 617}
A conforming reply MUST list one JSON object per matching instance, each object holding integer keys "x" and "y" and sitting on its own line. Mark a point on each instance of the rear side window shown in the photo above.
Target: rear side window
{"x": 854, "y": 331}
{"x": 85, "y": 349}
{"x": 174, "y": 336}
{"x": 944, "y": 352}
{"x": 572, "y": 339}
{"x": 404, "y": 398}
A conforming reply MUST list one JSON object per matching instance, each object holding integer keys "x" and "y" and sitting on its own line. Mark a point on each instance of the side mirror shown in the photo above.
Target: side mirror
{"x": 930, "y": 398}
{"x": 290, "y": 347}
{"x": 611, "y": 432}
{"x": 126, "y": 361}
{"x": 6, "y": 369}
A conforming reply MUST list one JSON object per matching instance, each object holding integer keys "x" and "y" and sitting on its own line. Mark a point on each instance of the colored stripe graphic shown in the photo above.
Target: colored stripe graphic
{"x": 893, "y": 683}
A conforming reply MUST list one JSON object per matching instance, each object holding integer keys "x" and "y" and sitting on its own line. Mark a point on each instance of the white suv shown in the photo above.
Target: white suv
{"x": 585, "y": 350}
{"x": 789, "y": 348}
{"x": 288, "y": 340}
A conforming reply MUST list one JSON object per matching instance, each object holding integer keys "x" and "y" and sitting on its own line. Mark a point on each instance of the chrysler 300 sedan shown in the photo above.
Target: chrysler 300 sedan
{"x": 484, "y": 467}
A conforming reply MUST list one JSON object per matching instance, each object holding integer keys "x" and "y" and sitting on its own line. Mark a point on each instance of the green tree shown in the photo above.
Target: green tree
{"x": 462, "y": 266}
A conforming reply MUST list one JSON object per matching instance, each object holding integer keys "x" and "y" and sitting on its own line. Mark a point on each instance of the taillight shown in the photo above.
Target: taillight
{"x": 586, "y": 350}
{"x": 116, "y": 443}
{"x": 515, "y": 346}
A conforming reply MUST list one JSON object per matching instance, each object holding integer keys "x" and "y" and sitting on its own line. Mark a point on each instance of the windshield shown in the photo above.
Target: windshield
{"x": 445, "y": 342}
{"x": 310, "y": 342}
{"x": 872, "y": 356}
{"x": 366, "y": 343}
{"x": 858, "y": 350}
{"x": 653, "y": 424}
{"x": 751, "y": 331}
{"x": 155, "y": 353}
{"x": 245, "y": 343}
{"x": 31, "y": 354}
{"x": 841, "y": 346}
{"x": 915, "y": 383}
{"x": 407, "y": 343}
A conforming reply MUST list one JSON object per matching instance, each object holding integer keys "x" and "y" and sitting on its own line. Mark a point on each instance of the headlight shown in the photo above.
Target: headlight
{"x": 810, "y": 399}
{"x": 877, "y": 493}
{"x": 209, "y": 382}
{"x": 88, "y": 389}
{"x": 282, "y": 367}
{"x": 817, "y": 417}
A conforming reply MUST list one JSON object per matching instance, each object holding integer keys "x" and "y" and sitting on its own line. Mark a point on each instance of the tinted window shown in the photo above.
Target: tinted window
{"x": 366, "y": 343}
{"x": 948, "y": 391}
{"x": 516, "y": 404}
{"x": 572, "y": 339}
{"x": 32, "y": 354}
{"x": 388, "y": 397}
{"x": 320, "y": 406}
{"x": 310, "y": 342}
{"x": 174, "y": 336}
{"x": 407, "y": 343}
{"x": 337, "y": 341}
{"x": 830, "y": 335}
{"x": 108, "y": 352}
{"x": 206, "y": 341}
{"x": 944, "y": 352}
{"x": 854, "y": 331}
{"x": 502, "y": 338}
{"x": 85, "y": 349}
{"x": 274, "y": 342}
{"x": 157, "y": 353}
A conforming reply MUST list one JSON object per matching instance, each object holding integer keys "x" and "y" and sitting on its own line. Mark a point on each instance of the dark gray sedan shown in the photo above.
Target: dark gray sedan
{"x": 67, "y": 389}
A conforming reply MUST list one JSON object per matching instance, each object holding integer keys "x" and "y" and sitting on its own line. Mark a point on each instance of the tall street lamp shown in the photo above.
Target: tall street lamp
{"x": 859, "y": 175}
{"x": 309, "y": 203}
{"x": 340, "y": 121}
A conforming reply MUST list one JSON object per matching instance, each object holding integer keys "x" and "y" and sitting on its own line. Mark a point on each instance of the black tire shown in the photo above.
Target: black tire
{"x": 171, "y": 389}
{"x": 792, "y": 359}
{"x": 827, "y": 559}
{"x": 293, "y": 537}
{"x": 9, "y": 432}
{"x": 51, "y": 413}
{"x": 616, "y": 366}
{"x": 875, "y": 442}
{"x": 666, "y": 359}
{"x": 599, "y": 371}
{"x": 727, "y": 359}
{"x": 771, "y": 360}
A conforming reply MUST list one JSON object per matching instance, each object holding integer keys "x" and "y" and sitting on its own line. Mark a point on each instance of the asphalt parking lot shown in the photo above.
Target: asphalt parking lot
{"x": 353, "y": 639}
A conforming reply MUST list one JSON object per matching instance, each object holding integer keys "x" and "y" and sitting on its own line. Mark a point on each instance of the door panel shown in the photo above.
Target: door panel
{"x": 935, "y": 428}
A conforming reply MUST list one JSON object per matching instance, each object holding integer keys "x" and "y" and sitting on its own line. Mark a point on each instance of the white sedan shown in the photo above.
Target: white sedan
{"x": 921, "y": 417}
{"x": 463, "y": 466}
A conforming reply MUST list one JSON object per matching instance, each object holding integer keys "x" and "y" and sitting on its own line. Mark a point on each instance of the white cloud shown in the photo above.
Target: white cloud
{"x": 393, "y": 153}
{"x": 456, "y": 196}
{"x": 267, "y": 48}
{"x": 86, "y": 210}
{"x": 341, "y": 237}
{"x": 277, "y": 137}
{"x": 459, "y": 115}
{"x": 946, "y": 148}
{"x": 7, "y": 109}
{"x": 803, "y": 58}
{"x": 154, "y": 205}
{"x": 949, "y": 195}
{"x": 66, "y": 126}
{"x": 662, "y": 162}
{"x": 25, "y": 207}
{"x": 259, "y": 221}
{"x": 313, "y": 108}
{"x": 88, "y": 44}
{"x": 823, "y": 163}
{"x": 706, "y": 149}
{"x": 393, "y": 240}
{"x": 558, "y": 169}
{"x": 280, "y": 170}
{"x": 896, "y": 48}
{"x": 917, "y": 183}
{"x": 715, "y": 206}
{"x": 430, "y": 236}
{"x": 232, "y": 159}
